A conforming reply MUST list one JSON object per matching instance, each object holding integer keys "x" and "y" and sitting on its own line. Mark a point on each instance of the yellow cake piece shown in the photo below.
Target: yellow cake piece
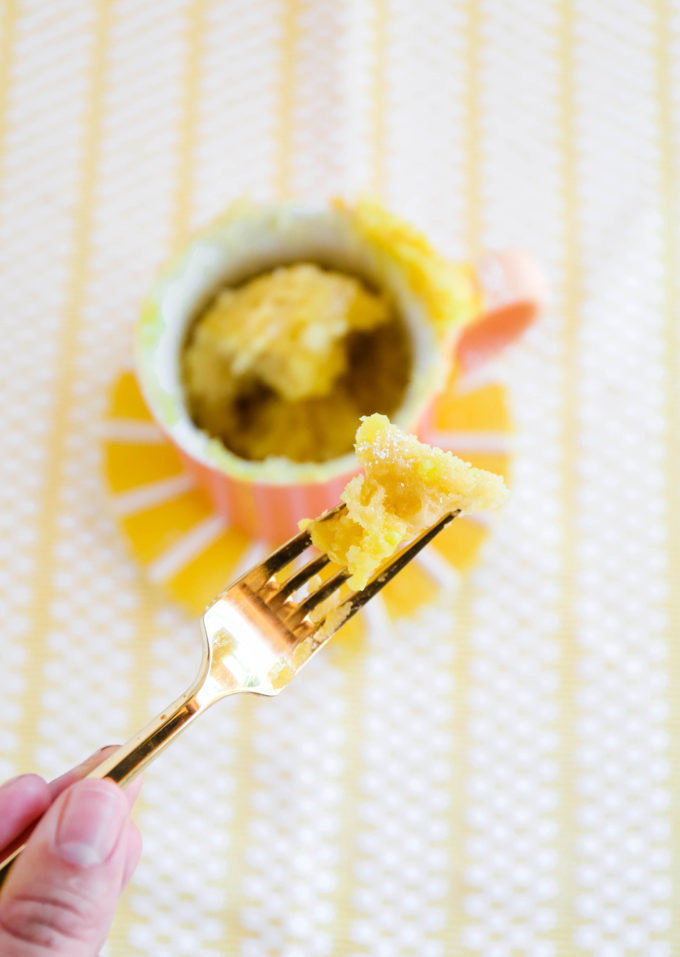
{"x": 405, "y": 487}
{"x": 285, "y": 328}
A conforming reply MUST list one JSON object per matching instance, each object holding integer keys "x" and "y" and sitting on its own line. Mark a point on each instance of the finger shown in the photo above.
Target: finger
{"x": 133, "y": 852}
{"x": 22, "y": 800}
{"x": 61, "y": 894}
{"x": 81, "y": 770}
{"x": 89, "y": 764}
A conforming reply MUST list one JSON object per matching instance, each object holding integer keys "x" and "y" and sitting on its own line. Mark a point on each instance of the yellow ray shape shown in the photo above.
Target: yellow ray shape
{"x": 493, "y": 461}
{"x": 460, "y": 543}
{"x": 410, "y": 589}
{"x": 131, "y": 464}
{"x": 126, "y": 399}
{"x": 482, "y": 409}
{"x": 154, "y": 530}
{"x": 209, "y": 573}
{"x": 350, "y": 638}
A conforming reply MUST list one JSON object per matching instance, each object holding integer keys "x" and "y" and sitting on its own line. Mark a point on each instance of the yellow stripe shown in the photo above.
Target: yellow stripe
{"x": 289, "y": 34}
{"x": 9, "y": 11}
{"x": 457, "y": 918}
{"x": 472, "y": 127}
{"x": 353, "y": 691}
{"x": 231, "y": 887}
{"x": 567, "y": 823}
{"x": 350, "y": 823}
{"x": 9, "y": 18}
{"x": 163, "y": 460}
{"x": 188, "y": 129}
{"x": 379, "y": 86}
{"x": 459, "y": 833}
{"x": 669, "y": 200}
{"x": 239, "y": 826}
{"x": 62, "y": 395}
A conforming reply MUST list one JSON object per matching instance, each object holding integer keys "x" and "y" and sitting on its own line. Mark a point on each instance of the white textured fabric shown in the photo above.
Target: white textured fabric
{"x": 500, "y": 775}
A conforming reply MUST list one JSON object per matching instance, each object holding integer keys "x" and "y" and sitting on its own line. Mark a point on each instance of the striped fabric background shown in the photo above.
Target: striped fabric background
{"x": 499, "y": 775}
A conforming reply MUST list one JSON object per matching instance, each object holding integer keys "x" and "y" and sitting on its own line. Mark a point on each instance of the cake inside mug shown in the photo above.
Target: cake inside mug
{"x": 269, "y": 335}
{"x": 286, "y": 363}
{"x": 321, "y": 317}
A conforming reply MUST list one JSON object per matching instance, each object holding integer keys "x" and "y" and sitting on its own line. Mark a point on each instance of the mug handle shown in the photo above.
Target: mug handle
{"x": 513, "y": 293}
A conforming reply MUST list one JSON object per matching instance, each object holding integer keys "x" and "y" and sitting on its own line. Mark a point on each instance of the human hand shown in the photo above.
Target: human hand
{"x": 60, "y": 896}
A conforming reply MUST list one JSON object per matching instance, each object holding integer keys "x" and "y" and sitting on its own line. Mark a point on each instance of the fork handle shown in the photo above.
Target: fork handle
{"x": 129, "y": 759}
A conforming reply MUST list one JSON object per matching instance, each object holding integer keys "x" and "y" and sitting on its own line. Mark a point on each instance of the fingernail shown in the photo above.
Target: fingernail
{"x": 90, "y": 823}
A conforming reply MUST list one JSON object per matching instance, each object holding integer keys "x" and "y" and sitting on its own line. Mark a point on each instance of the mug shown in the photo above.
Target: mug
{"x": 456, "y": 314}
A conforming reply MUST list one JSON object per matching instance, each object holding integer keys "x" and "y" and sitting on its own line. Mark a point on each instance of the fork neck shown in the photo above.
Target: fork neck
{"x": 133, "y": 756}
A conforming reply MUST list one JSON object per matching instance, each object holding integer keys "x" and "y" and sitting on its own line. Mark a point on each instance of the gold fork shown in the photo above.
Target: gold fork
{"x": 256, "y": 637}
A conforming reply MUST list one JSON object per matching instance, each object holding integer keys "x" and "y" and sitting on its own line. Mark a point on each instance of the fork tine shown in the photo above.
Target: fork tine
{"x": 289, "y": 551}
{"x": 326, "y": 590}
{"x": 295, "y": 615}
{"x": 306, "y": 572}
{"x": 358, "y": 599}
{"x": 277, "y": 560}
{"x": 331, "y": 513}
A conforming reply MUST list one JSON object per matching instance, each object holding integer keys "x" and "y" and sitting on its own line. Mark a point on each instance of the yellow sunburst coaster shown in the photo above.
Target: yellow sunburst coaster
{"x": 188, "y": 549}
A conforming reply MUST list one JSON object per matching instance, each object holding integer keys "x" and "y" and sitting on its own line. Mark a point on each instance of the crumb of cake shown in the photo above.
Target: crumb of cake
{"x": 304, "y": 651}
{"x": 280, "y": 674}
{"x": 224, "y": 642}
{"x": 335, "y": 618}
{"x": 405, "y": 487}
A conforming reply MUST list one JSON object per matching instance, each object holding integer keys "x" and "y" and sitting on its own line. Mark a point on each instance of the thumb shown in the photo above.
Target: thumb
{"x": 61, "y": 894}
